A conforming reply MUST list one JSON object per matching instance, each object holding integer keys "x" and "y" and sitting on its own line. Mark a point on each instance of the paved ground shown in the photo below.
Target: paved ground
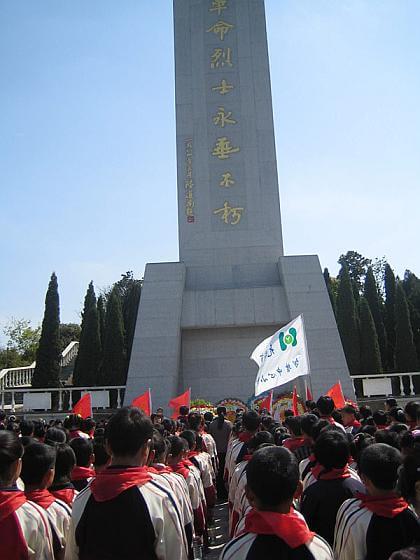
{"x": 221, "y": 531}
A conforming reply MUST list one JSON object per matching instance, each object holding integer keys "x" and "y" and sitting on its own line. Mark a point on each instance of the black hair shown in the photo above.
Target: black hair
{"x": 101, "y": 454}
{"x": 391, "y": 402}
{"x": 73, "y": 422}
{"x": 360, "y": 442}
{"x": 380, "y": 463}
{"x": 325, "y": 405}
{"x": 398, "y": 415}
{"x": 387, "y": 437}
{"x": 273, "y": 475}
{"x": 365, "y": 411}
{"x": 26, "y": 428}
{"x": 83, "y": 449}
{"x": 127, "y": 431}
{"x": 65, "y": 462}
{"x": 168, "y": 424}
{"x": 251, "y": 421}
{"x": 318, "y": 427}
{"x": 190, "y": 437}
{"x": 293, "y": 423}
{"x": 11, "y": 449}
{"x": 37, "y": 460}
{"x": 39, "y": 429}
{"x": 411, "y": 553}
{"x": 176, "y": 445}
{"x": 310, "y": 405}
{"x": 208, "y": 416}
{"x": 221, "y": 413}
{"x": 412, "y": 410}
{"x": 184, "y": 410}
{"x": 259, "y": 438}
{"x": 88, "y": 424}
{"x": 398, "y": 428}
{"x": 13, "y": 427}
{"x": 368, "y": 429}
{"x": 194, "y": 421}
{"x": 332, "y": 449}
{"x": 267, "y": 421}
{"x": 349, "y": 409}
{"x": 160, "y": 444}
{"x": 55, "y": 435}
{"x": 288, "y": 413}
{"x": 307, "y": 423}
{"x": 380, "y": 417}
{"x": 410, "y": 474}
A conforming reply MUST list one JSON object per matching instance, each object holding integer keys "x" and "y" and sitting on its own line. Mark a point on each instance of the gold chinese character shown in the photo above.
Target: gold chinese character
{"x": 222, "y": 118}
{"x": 227, "y": 180}
{"x": 223, "y": 148}
{"x": 221, "y": 28}
{"x": 221, "y": 58}
{"x": 223, "y": 88}
{"x": 218, "y": 6}
{"x": 229, "y": 214}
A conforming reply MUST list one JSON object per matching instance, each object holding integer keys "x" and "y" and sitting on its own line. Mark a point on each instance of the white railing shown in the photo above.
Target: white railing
{"x": 22, "y": 376}
{"x": 387, "y": 384}
{"x": 60, "y": 399}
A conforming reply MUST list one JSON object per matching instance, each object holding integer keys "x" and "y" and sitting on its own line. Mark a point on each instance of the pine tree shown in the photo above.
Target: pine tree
{"x": 405, "y": 351}
{"x": 376, "y": 308}
{"x": 113, "y": 370}
{"x": 101, "y": 319}
{"x": 390, "y": 315}
{"x": 370, "y": 356}
{"x": 328, "y": 283}
{"x": 86, "y": 368}
{"x": 130, "y": 311}
{"x": 348, "y": 323}
{"x": 47, "y": 369}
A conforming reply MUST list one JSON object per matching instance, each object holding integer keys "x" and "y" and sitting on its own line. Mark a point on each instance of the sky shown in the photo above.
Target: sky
{"x": 87, "y": 139}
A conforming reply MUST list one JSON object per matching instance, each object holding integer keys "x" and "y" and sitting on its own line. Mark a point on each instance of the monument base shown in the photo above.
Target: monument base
{"x": 198, "y": 325}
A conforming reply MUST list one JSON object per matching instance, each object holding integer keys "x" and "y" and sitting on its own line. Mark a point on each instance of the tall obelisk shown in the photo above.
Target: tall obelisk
{"x": 199, "y": 319}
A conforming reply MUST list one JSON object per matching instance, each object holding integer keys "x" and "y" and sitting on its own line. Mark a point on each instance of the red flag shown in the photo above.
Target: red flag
{"x": 181, "y": 400}
{"x": 144, "y": 402}
{"x": 309, "y": 396}
{"x": 295, "y": 402}
{"x": 336, "y": 393}
{"x": 267, "y": 403}
{"x": 84, "y": 406}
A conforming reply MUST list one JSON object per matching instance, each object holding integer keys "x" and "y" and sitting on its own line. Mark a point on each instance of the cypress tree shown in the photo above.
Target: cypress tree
{"x": 376, "y": 308}
{"x": 47, "y": 369}
{"x": 370, "y": 356}
{"x": 405, "y": 351}
{"x": 328, "y": 283}
{"x": 390, "y": 315}
{"x": 86, "y": 368}
{"x": 130, "y": 310}
{"x": 113, "y": 370}
{"x": 347, "y": 322}
{"x": 101, "y": 319}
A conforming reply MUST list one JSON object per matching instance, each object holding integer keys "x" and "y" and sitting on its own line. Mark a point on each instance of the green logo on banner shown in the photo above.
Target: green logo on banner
{"x": 290, "y": 339}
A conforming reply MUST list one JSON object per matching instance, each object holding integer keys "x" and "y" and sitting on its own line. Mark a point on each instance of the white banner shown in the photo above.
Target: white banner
{"x": 281, "y": 357}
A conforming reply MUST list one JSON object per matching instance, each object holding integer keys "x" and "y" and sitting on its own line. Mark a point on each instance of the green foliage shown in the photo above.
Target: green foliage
{"x": 23, "y": 339}
{"x": 411, "y": 286}
{"x": 86, "y": 368}
{"x": 370, "y": 357}
{"x": 330, "y": 290}
{"x": 356, "y": 265}
{"x": 389, "y": 288}
{"x": 47, "y": 369}
{"x": 405, "y": 351}
{"x": 113, "y": 370}
{"x": 347, "y": 322}
{"x": 69, "y": 332}
{"x": 101, "y": 318}
{"x": 376, "y": 307}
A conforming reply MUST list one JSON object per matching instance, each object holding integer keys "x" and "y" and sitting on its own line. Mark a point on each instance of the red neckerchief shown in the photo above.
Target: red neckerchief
{"x": 152, "y": 470}
{"x": 110, "y": 483}
{"x": 181, "y": 469}
{"x": 247, "y": 458}
{"x": 354, "y": 424}
{"x": 244, "y": 437}
{"x": 389, "y": 506}
{"x": 329, "y": 418}
{"x": 294, "y": 443}
{"x": 412, "y": 425}
{"x": 289, "y": 527}
{"x": 161, "y": 469}
{"x": 10, "y": 501}
{"x": 66, "y": 495}
{"x": 76, "y": 434}
{"x": 192, "y": 454}
{"x": 381, "y": 426}
{"x": 321, "y": 473}
{"x": 43, "y": 498}
{"x": 82, "y": 473}
{"x": 187, "y": 463}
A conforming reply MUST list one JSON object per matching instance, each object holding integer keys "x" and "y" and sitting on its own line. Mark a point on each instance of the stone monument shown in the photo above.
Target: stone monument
{"x": 200, "y": 318}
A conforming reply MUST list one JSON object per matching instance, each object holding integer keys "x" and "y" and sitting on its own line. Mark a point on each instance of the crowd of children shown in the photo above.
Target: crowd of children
{"x": 327, "y": 484}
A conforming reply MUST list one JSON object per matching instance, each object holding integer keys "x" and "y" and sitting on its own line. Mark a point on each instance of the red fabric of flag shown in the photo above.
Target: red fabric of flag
{"x": 336, "y": 393}
{"x": 177, "y": 402}
{"x": 144, "y": 402}
{"x": 295, "y": 402}
{"x": 309, "y": 396}
{"x": 267, "y": 403}
{"x": 84, "y": 406}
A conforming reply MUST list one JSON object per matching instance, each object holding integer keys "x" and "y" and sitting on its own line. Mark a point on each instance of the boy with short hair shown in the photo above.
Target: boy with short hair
{"x": 334, "y": 483}
{"x": 326, "y": 407}
{"x": 83, "y": 472}
{"x": 376, "y": 524}
{"x": 297, "y": 443}
{"x": 351, "y": 423}
{"x": 38, "y": 473}
{"x": 123, "y": 513}
{"x": 65, "y": 462}
{"x": 272, "y": 529}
